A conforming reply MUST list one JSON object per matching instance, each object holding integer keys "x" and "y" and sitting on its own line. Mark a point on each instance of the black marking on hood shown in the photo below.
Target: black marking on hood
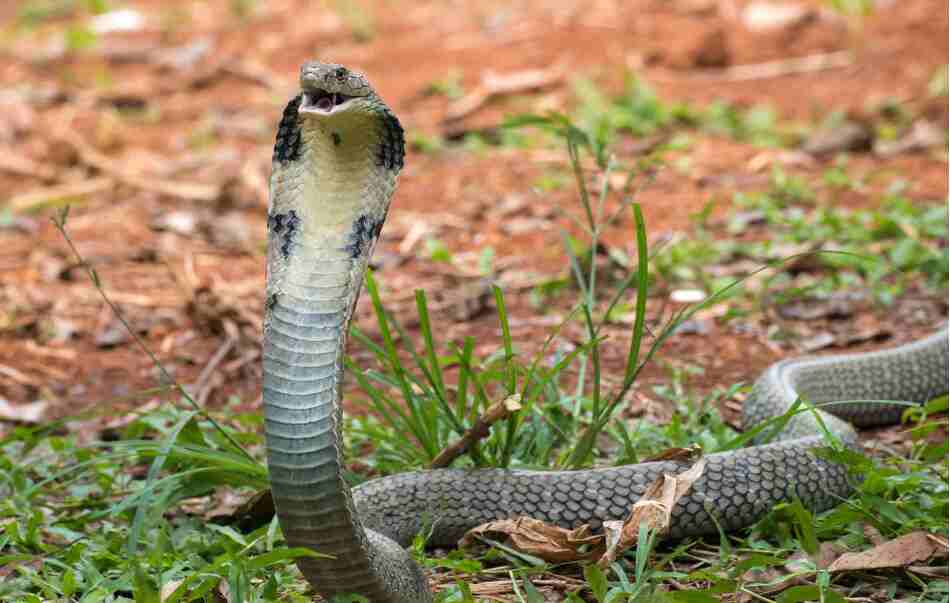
{"x": 284, "y": 227}
{"x": 392, "y": 144}
{"x": 365, "y": 231}
{"x": 287, "y": 147}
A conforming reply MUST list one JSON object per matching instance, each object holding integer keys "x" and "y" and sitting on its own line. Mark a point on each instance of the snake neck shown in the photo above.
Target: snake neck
{"x": 330, "y": 189}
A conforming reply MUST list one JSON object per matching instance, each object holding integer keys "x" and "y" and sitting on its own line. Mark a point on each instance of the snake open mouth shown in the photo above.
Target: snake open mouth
{"x": 322, "y": 102}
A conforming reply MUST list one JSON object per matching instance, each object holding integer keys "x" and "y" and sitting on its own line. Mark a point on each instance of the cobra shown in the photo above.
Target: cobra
{"x": 339, "y": 150}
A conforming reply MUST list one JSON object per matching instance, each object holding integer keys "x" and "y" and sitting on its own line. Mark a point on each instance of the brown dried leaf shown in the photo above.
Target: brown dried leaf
{"x": 764, "y": 16}
{"x": 939, "y": 571}
{"x": 921, "y": 136}
{"x": 834, "y": 307}
{"x": 858, "y": 333}
{"x": 217, "y": 311}
{"x": 40, "y": 198}
{"x": 817, "y": 342}
{"x": 802, "y": 562}
{"x": 32, "y": 413}
{"x": 942, "y": 544}
{"x": 537, "y": 538}
{"x": 222, "y": 593}
{"x": 873, "y": 535}
{"x": 684, "y": 455}
{"x": 848, "y": 136}
{"x": 654, "y": 509}
{"x": 247, "y": 513}
{"x": 766, "y": 159}
{"x": 168, "y": 588}
{"x": 899, "y": 552}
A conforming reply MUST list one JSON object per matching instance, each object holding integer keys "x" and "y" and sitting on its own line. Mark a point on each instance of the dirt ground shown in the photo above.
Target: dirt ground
{"x": 160, "y": 138}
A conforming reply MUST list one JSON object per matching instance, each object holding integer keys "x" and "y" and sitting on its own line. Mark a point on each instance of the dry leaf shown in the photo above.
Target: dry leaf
{"x": 939, "y": 571}
{"x": 223, "y": 592}
{"x": 848, "y": 136}
{"x": 767, "y": 159}
{"x": 922, "y": 135}
{"x": 899, "y": 552}
{"x": 834, "y": 307}
{"x": 763, "y": 16}
{"x": 654, "y": 509}
{"x": 873, "y": 535}
{"x": 34, "y": 412}
{"x": 684, "y": 455}
{"x": 942, "y": 545}
{"x": 247, "y": 514}
{"x": 537, "y": 538}
{"x": 36, "y": 199}
{"x": 167, "y": 589}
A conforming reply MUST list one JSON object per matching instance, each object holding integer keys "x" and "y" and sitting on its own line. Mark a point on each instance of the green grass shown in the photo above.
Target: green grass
{"x": 884, "y": 250}
{"x": 123, "y": 519}
{"x": 639, "y": 112}
{"x": 449, "y": 86}
{"x": 35, "y": 12}
{"x": 636, "y": 113}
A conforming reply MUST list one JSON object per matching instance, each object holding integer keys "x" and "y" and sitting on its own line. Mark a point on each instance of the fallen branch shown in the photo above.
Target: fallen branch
{"x": 191, "y": 191}
{"x": 773, "y": 69}
{"x": 493, "y": 85}
{"x": 496, "y": 412}
{"x": 16, "y": 163}
{"x": 38, "y": 198}
{"x": 203, "y": 385}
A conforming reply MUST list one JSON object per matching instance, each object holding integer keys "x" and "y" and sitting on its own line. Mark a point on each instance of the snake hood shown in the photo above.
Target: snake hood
{"x": 338, "y": 152}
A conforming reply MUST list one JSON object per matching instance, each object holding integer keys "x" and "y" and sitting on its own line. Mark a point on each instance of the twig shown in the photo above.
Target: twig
{"x": 16, "y": 163}
{"x": 192, "y": 191}
{"x": 202, "y": 389}
{"x": 772, "y": 69}
{"x": 59, "y": 221}
{"x": 15, "y": 375}
{"x": 249, "y": 356}
{"x": 497, "y": 85}
{"x": 496, "y": 412}
{"x": 40, "y": 197}
{"x": 253, "y": 73}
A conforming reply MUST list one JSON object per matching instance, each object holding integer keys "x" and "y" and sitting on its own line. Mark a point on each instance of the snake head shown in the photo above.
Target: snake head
{"x": 328, "y": 89}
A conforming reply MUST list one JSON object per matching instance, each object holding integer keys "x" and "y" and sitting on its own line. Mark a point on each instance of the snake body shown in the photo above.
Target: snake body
{"x": 339, "y": 150}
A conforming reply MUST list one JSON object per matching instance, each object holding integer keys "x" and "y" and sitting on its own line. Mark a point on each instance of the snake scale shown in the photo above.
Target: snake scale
{"x": 339, "y": 150}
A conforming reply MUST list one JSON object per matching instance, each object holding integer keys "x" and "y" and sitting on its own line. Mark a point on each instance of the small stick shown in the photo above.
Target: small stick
{"x": 191, "y": 191}
{"x": 17, "y": 164}
{"x": 37, "y": 198}
{"x": 493, "y": 85}
{"x": 772, "y": 69}
{"x": 496, "y": 412}
{"x": 203, "y": 383}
